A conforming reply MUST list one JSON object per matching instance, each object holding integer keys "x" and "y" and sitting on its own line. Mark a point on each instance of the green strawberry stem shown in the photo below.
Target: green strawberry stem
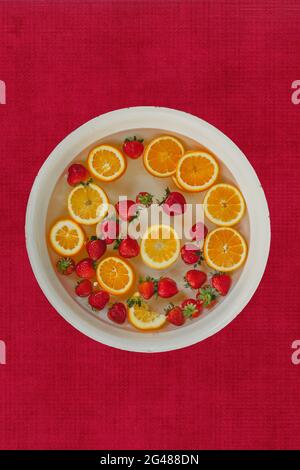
{"x": 134, "y": 301}
{"x": 161, "y": 201}
{"x": 208, "y": 294}
{"x": 133, "y": 139}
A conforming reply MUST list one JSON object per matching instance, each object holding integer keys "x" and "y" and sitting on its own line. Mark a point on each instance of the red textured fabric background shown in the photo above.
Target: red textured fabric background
{"x": 231, "y": 63}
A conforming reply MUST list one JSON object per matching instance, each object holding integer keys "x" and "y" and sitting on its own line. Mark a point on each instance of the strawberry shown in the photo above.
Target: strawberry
{"x": 175, "y": 315}
{"x": 65, "y": 266}
{"x": 191, "y": 254}
{"x": 221, "y": 282}
{"x": 192, "y": 308}
{"x": 208, "y": 296}
{"x": 173, "y": 203}
{"x": 99, "y": 299}
{"x": 95, "y": 248}
{"x": 127, "y": 209}
{"x": 195, "y": 278}
{"x": 128, "y": 247}
{"x": 85, "y": 268}
{"x": 144, "y": 198}
{"x": 133, "y": 147}
{"x": 147, "y": 288}
{"x": 198, "y": 231}
{"x": 166, "y": 287}
{"x": 76, "y": 174}
{"x": 117, "y": 312}
{"x": 84, "y": 288}
{"x": 110, "y": 230}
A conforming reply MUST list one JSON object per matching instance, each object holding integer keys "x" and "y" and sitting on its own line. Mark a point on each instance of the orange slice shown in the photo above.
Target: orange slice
{"x": 106, "y": 163}
{"x": 115, "y": 275}
{"x": 142, "y": 317}
{"x": 224, "y": 205}
{"x": 225, "y": 249}
{"x": 160, "y": 246}
{"x": 87, "y": 204}
{"x": 162, "y": 155}
{"x": 175, "y": 181}
{"x": 197, "y": 171}
{"x": 66, "y": 237}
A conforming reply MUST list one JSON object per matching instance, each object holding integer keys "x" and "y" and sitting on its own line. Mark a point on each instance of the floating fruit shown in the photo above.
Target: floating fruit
{"x": 65, "y": 266}
{"x": 191, "y": 254}
{"x": 221, "y": 282}
{"x": 208, "y": 296}
{"x": 66, "y": 237}
{"x": 117, "y": 313}
{"x": 162, "y": 155}
{"x": 77, "y": 173}
{"x": 197, "y": 171}
{"x": 225, "y": 249}
{"x": 195, "y": 278}
{"x": 175, "y": 315}
{"x": 126, "y": 208}
{"x": 128, "y": 247}
{"x": 173, "y": 203}
{"x": 144, "y": 198}
{"x": 99, "y": 299}
{"x": 198, "y": 231}
{"x": 106, "y": 163}
{"x": 224, "y": 205}
{"x": 160, "y": 246}
{"x": 133, "y": 147}
{"x": 175, "y": 181}
{"x": 166, "y": 287}
{"x": 142, "y": 317}
{"x": 95, "y": 248}
{"x": 87, "y": 204}
{"x": 115, "y": 275}
{"x": 84, "y": 288}
{"x": 147, "y": 287}
{"x": 192, "y": 308}
{"x": 85, "y": 268}
{"x": 108, "y": 230}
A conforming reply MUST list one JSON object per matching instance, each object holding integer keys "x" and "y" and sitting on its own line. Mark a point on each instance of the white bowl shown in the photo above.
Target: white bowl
{"x": 174, "y": 121}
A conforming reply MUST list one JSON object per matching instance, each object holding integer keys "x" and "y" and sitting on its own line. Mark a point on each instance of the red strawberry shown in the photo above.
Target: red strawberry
{"x": 65, "y": 266}
{"x": 133, "y": 147}
{"x": 192, "y": 308}
{"x": 85, "y": 268}
{"x": 128, "y": 247}
{"x": 99, "y": 299}
{"x": 208, "y": 296}
{"x": 144, "y": 198}
{"x": 117, "y": 312}
{"x": 173, "y": 203}
{"x": 221, "y": 282}
{"x": 95, "y": 248}
{"x": 147, "y": 288}
{"x": 84, "y": 288}
{"x": 198, "y": 231}
{"x": 126, "y": 209}
{"x": 195, "y": 278}
{"x": 166, "y": 287}
{"x": 110, "y": 230}
{"x": 191, "y": 254}
{"x": 76, "y": 174}
{"x": 175, "y": 315}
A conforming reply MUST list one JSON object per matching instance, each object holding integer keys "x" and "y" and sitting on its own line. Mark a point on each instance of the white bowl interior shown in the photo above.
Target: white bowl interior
{"x": 147, "y": 122}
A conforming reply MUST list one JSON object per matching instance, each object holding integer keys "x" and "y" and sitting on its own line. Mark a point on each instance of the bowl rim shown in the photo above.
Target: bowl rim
{"x": 171, "y": 120}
